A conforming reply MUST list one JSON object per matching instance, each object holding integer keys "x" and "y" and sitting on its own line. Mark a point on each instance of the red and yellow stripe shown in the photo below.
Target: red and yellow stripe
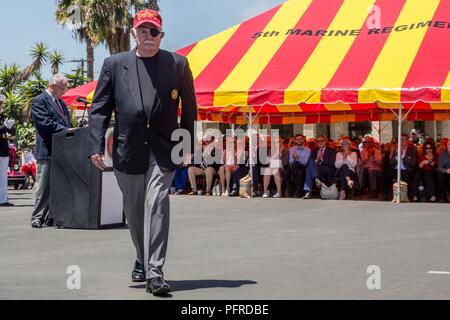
{"x": 319, "y": 61}
{"x": 348, "y": 73}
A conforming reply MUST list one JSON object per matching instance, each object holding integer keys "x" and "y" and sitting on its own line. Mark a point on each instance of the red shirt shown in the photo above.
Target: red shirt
{"x": 429, "y": 167}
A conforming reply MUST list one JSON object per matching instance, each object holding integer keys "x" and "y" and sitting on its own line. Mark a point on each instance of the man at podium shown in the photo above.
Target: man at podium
{"x": 50, "y": 115}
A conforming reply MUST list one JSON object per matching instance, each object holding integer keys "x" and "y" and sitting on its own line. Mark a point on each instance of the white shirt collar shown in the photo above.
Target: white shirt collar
{"x": 48, "y": 92}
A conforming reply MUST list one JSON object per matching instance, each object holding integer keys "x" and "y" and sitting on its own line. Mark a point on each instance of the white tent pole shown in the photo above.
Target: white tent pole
{"x": 380, "y": 130}
{"x": 399, "y": 151}
{"x": 435, "y": 130}
{"x": 250, "y": 147}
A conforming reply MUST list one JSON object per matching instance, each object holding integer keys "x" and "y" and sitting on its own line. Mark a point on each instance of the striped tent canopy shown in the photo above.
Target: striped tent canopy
{"x": 85, "y": 91}
{"x": 313, "y": 61}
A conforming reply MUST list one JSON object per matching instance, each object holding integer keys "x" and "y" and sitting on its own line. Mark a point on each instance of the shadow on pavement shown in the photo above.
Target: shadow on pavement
{"x": 22, "y": 206}
{"x": 189, "y": 285}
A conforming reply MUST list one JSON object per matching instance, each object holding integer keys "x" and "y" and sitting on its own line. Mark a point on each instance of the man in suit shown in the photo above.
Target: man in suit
{"x": 5, "y": 129}
{"x": 408, "y": 163}
{"x": 299, "y": 156}
{"x": 444, "y": 173}
{"x": 144, "y": 87}
{"x": 320, "y": 167}
{"x": 50, "y": 115}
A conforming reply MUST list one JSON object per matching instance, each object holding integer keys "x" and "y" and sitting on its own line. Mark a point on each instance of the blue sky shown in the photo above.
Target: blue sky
{"x": 23, "y": 23}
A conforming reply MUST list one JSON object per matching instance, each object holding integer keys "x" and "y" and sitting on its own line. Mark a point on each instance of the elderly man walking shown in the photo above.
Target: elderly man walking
{"x": 50, "y": 116}
{"x": 144, "y": 87}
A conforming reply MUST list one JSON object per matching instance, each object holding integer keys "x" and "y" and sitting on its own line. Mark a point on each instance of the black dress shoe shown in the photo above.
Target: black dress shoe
{"x": 234, "y": 193}
{"x": 138, "y": 273}
{"x": 58, "y": 224}
{"x": 37, "y": 224}
{"x": 48, "y": 223}
{"x": 158, "y": 286}
{"x": 6, "y": 204}
{"x": 308, "y": 196}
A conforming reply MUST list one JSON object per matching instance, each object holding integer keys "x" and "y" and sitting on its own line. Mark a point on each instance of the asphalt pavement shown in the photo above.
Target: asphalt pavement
{"x": 233, "y": 249}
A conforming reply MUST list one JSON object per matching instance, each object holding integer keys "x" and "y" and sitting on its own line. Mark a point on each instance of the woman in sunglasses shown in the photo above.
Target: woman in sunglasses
{"x": 426, "y": 174}
{"x": 346, "y": 162}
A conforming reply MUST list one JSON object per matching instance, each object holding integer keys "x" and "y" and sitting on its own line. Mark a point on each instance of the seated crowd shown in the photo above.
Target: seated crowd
{"x": 300, "y": 168}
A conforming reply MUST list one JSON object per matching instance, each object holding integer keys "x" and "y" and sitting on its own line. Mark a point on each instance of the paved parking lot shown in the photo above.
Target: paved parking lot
{"x": 229, "y": 248}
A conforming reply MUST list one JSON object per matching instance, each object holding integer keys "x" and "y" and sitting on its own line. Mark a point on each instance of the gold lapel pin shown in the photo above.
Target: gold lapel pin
{"x": 174, "y": 94}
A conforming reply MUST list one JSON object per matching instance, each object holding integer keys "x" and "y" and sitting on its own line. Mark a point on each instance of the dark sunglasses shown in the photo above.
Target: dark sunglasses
{"x": 429, "y": 148}
{"x": 320, "y": 140}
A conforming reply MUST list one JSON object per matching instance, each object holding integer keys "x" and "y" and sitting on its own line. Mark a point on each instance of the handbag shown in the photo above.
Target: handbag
{"x": 245, "y": 187}
{"x": 403, "y": 192}
{"x": 329, "y": 193}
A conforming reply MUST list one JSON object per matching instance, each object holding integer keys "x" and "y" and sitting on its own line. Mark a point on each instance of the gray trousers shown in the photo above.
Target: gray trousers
{"x": 147, "y": 209}
{"x": 4, "y": 161}
{"x": 42, "y": 194}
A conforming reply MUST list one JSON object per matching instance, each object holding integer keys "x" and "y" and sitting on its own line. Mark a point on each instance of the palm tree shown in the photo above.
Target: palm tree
{"x": 76, "y": 79}
{"x": 13, "y": 105}
{"x": 143, "y": 4}
{"x": 8, "y": 76}
{"x": 66, "y": 11}
{"x": 153, "y": 4}
{"x": 12, "y": 76}
{"x": 56, "y": 59}
{"x": 112, "y": 21}
{"x": 40, "y": 55}
{"x": 102, "y": 21}
{"x": 109, "y": 24}
{"x": 21, "y": 85}
{"x": 26, "y": 135}
{"x": 28, "y": 91}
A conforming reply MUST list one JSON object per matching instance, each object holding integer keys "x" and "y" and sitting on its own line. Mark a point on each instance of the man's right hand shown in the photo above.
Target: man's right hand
{"x": 98, "y": 160}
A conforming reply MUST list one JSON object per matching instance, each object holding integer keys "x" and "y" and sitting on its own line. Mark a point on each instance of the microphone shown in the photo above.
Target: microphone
{"x": 82, "y": 121}
{"x": 80, "y": 99}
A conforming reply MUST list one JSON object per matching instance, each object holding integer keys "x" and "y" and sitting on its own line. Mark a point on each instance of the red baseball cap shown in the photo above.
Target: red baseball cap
{"x": 147, "y": 16}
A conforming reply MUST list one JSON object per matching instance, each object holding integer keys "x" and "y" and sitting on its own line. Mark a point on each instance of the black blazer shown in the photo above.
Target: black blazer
{"x": 48, "y": 120}
{"x": 410, "y": 160}
{"x": 329, "y": 157}
{"x": 137, "y": 130}
{"x": 4, "y": 145}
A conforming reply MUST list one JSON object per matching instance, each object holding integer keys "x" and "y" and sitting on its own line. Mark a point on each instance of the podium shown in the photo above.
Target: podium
{"x": 81, "y": 196}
